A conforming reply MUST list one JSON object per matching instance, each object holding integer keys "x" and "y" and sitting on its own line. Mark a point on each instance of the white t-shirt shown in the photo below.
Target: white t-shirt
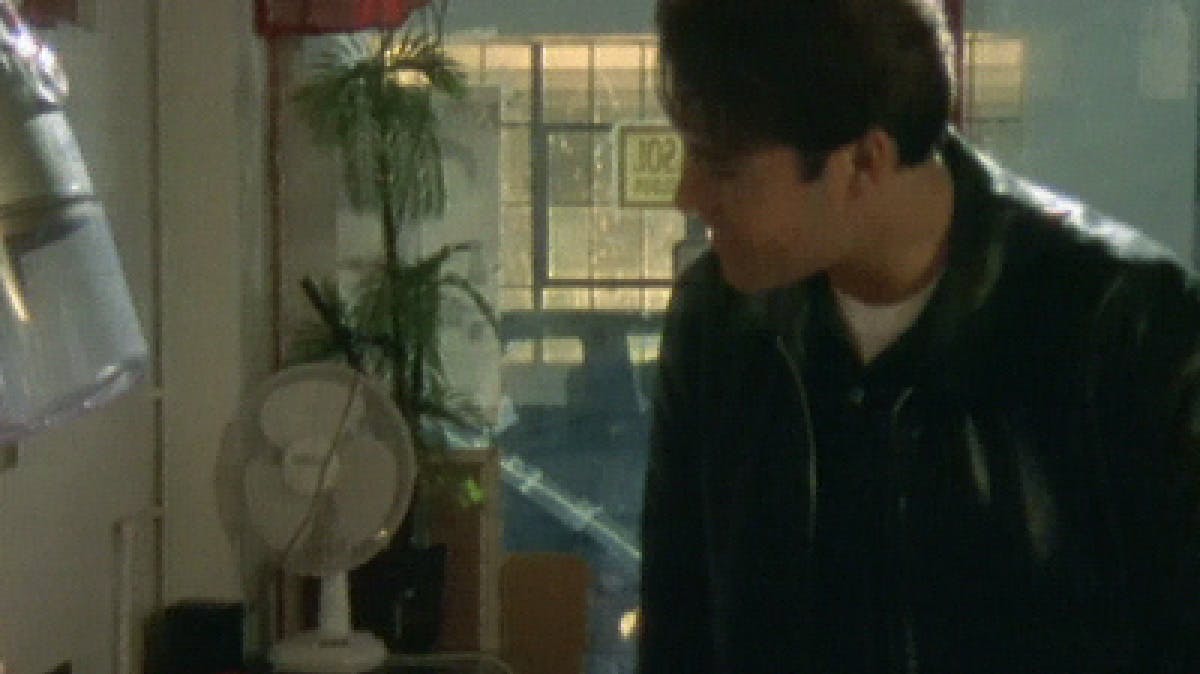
{"x": 874, "y": 326}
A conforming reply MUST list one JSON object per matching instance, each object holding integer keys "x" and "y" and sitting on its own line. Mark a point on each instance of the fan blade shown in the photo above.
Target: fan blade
{"x": 367, "y": 488}
{"x": 310, "y": 408}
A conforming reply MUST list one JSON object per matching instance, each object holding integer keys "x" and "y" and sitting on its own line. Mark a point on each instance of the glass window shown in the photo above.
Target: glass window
{"x": 617, "y": 249}
{"x": 469, "y": 56}
{"x": 662, "y": 230}
{"x": 510, "y": 68}
{"x": 516, "y": 268}
{"x": 997, "y": 70}
{"x": 570, "y": 242}
{"x": 618, "y": 87}
{"x": 653, "y": 105}
{"x": 568, "y": 83}
{"x": 560, "y": 161}
{"x": 571, "y": 167}
{"x": 604, "y": 179}
{"x": 617, "y": 299}
{"x": 562, "y": 350}
{"x": 994, "y": 90}
{"x": 519, "y": 352}
{"x": 515, "y": 177}
{"x": 567, "y": 298}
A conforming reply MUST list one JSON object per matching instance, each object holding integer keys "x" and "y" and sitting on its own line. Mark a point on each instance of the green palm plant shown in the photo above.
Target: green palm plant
{"x": 374, "y": 100}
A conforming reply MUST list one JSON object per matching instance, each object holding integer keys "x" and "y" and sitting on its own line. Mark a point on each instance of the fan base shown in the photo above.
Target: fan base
{"x": 310, "y": 653}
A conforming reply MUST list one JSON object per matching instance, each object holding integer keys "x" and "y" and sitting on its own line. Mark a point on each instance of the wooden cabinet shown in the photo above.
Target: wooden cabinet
{"x": 472, "y": 536}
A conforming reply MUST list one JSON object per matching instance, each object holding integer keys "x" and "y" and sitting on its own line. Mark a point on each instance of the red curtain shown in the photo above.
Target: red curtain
{"x": 313, "y": 17}
{"x": 48, "y": 13}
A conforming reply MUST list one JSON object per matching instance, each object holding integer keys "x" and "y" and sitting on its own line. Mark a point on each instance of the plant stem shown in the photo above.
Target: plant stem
{"x": 389, "y": 222}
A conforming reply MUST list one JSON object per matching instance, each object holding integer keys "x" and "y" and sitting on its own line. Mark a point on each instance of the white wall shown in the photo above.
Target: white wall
{"x": 60, "y": 504}
{"x": 216, "y": 316}
{"x": 166, "y": 102}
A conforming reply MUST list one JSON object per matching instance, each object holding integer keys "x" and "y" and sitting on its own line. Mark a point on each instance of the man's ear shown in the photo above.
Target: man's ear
{"x": 874, "y": 157}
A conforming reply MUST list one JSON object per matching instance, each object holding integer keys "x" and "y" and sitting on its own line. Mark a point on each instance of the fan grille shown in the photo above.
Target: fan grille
{"x": 323, "y": 468}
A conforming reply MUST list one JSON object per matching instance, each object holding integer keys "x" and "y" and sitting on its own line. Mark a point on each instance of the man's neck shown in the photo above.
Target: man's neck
{"x": 910, "y": 241}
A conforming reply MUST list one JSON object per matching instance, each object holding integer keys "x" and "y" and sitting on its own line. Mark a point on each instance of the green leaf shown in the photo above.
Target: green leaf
{"x": 473, "y": 492}
{"x": 360, "y": 99}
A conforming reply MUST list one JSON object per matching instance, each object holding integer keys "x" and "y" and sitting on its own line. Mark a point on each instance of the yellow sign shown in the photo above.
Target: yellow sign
{"x": 649, "y": 165}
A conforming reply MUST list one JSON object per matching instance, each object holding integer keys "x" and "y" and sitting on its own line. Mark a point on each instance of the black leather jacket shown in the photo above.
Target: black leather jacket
{"x": 1042, "y": 512}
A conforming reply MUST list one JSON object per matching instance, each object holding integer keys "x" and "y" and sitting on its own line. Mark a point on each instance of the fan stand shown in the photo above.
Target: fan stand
{"x": 333, "y": 647}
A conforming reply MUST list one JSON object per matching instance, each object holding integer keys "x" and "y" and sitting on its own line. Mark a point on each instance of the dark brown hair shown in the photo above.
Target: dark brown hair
{"x": 812, "y": 74}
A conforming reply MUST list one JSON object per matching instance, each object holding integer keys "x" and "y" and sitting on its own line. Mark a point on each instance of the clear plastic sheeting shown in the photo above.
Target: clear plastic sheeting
{"x": 69, "y": 336}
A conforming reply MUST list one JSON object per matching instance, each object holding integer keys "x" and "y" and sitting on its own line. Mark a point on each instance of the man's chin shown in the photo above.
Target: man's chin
{"x": 751, "y": 279}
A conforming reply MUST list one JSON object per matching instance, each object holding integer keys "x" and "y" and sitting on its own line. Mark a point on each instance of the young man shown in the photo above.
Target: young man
{"x": 915, "y": 415}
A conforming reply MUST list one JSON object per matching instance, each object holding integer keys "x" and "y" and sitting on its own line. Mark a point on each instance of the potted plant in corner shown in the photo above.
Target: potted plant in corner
{"x": 373, "y": 99}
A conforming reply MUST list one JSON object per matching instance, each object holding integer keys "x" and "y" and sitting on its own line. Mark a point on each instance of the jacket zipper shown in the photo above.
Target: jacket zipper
{"x": 813, "y": 481}
{"x": 810, "y": 438}
{"x": 912, "y": 664}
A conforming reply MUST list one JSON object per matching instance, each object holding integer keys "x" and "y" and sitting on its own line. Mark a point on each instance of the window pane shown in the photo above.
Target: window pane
{"x": 604, "y": 169}
{"x": 664, "y": 228}
{"x": 996, "y": 71}
{"x": 567, "y": 84}
{"x": 510, "y": 68}
{"x": 516, "y": 246}
{"x": 653, "y": 108}
{"x": 643, "y": 349}
{"x": 519, "y": 352}
{"x": 570, "y": 242}
{"x": 562, "y": 350}
{"x": 571, "y": 164}
{"x": 618, "y": 92}
{"x": 516, "y": 167}
{"x": 657, "y": 299}
{"x": 567, "y": 298}
{"x": 468, "y": 56}
{"x": 617, "y": 244}
{"x": 617, "y": 299}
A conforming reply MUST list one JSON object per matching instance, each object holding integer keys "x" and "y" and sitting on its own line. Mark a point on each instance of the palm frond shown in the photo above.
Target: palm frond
{"x": 374, "y": 99}
{"x": 386, "y": 129}
{"x": 313, "y": 342}
{"x": 463, "y": 285}
{"x": 334, "y": 335}
{"x": 432, "y": 264}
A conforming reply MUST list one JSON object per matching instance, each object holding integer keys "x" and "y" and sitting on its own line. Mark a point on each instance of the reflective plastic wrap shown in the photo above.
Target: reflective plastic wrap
{"x": 69, "y": 336}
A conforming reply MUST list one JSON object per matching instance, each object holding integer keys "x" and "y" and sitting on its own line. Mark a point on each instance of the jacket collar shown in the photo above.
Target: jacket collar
{"x": 978, "y": 229}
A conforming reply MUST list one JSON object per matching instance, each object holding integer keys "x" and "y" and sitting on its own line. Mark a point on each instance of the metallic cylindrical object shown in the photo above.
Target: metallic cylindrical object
{"x": 69, "y": 336}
